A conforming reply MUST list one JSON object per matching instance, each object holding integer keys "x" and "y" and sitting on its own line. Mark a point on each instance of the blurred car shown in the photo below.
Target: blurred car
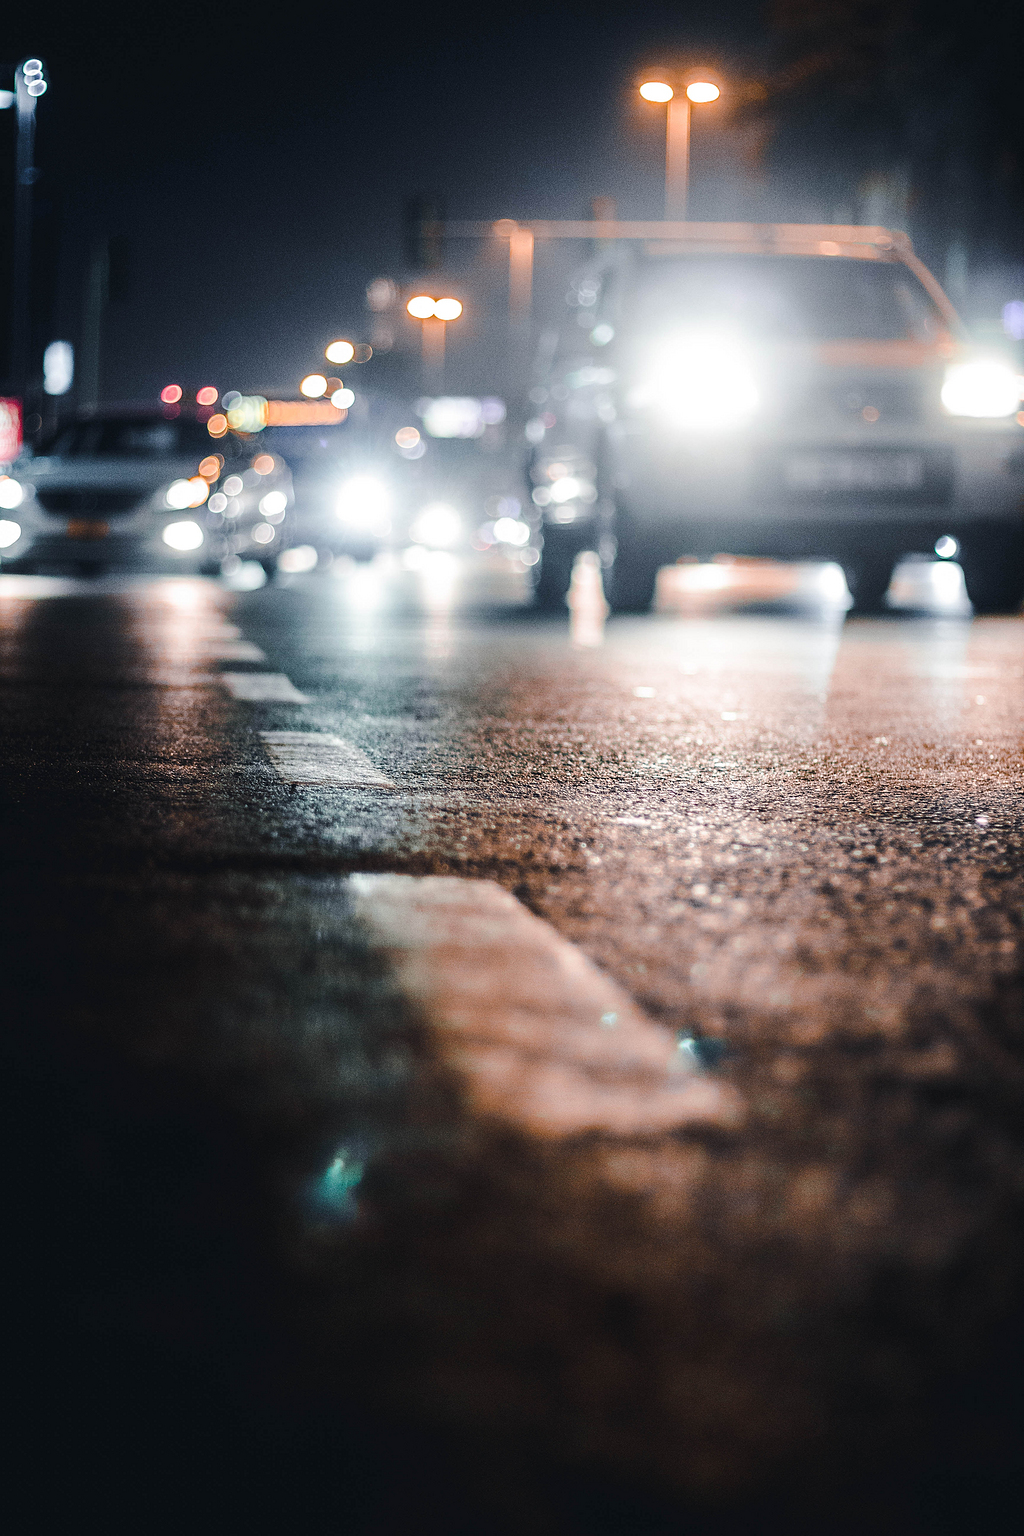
{"x": 796, "y": 391}
{"x": 436, "y": 474}
{"x": 146, "y": 493}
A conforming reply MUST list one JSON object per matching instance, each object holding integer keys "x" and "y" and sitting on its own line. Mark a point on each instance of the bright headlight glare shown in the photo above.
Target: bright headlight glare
{"x": 700, "y": 382}
{"x": 187, "y": 493}
{"x": 183, "y": 536}
{"x": 363, "y": 502}
{"x": 437, "y": 526}
{"x": 983, "y": 388}
{"x": 11, "y": 493}
{"x": 10, "y": 532}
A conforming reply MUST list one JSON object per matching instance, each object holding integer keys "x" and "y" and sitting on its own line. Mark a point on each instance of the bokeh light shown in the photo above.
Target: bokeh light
{"x": 447, "y": 309}
{"x": 340, "y": 352}
{"x": 656, "y": 90}
{"x": 421, "y": 307}
{"x": 211, "y": 466}
{"x": 171, "y": 394}
{"x": 217, "y": 425}
{"x": 703, "y": 90}
{"x": 313, "y": 386}
{"x": 207, "y": 395}
{"x": 264, "y": 463}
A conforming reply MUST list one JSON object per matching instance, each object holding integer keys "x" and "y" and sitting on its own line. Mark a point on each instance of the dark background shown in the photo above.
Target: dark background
{"x": 241, "y": 172}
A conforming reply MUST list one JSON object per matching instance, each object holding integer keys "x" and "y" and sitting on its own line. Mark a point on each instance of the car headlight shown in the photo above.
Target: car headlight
{"x": 187, "y": 493}
{"x": 363, "y": 503}
{"x": 274, "y": 505}
{"x": 10, "y": 533}
{"x": 983, "y": 388}
{"x": 183, "y": 536}
{"x": 437, "y": 526}
{"x": 12, "y": 493}
{"x": 703, "y": 383}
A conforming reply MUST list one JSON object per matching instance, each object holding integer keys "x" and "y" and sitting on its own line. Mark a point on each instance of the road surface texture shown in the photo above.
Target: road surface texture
{"x": 462, "y": 1081}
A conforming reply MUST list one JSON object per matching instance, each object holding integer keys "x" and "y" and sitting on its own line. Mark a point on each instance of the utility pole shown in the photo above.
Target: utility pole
{"x": 29, "y": 84}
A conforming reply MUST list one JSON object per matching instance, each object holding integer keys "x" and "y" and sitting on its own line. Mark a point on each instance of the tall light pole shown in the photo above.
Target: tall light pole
{"x": 677, "y": 103}
{"x": 29, "y": 84}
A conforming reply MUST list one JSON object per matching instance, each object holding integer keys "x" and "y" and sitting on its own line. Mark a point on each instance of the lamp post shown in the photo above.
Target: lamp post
{"x": 29, "y": 84}
{"x": 434, "y": 316}
{"x": 678, "y": 105}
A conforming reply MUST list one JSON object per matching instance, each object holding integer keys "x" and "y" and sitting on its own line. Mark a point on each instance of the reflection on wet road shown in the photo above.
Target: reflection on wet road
{"x": 659, "y": 1140}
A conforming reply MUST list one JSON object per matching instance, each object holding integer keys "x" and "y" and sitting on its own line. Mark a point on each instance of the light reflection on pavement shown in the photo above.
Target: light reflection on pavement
{"x": 793, "y": 836}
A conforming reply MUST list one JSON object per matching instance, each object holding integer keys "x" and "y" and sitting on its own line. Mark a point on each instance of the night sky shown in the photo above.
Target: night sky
{"x": 252, "y": 165}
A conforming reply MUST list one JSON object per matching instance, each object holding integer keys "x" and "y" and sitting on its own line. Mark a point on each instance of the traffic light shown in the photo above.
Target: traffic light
{"x": 423, "y": 242}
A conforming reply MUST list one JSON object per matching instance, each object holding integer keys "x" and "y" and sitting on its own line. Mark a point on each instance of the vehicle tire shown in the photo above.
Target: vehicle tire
{"x": 994, "y": 575}
{"x": 553, "y": 572}
{"x": 868, "y": 579}
{"x": 632, "y": 578}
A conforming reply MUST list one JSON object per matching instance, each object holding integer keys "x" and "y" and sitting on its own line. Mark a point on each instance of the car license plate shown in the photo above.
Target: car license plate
{"x": 87, "y": 528}
{"x": 855, "y": 471}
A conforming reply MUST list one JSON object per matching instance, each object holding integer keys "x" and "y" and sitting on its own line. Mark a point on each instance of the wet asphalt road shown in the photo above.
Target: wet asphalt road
{"x": 273, "y": 1266}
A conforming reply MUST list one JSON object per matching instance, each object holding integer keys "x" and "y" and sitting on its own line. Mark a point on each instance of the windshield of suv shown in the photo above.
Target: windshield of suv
{"x": 130, "y": 439}
{"x": 785, "y": 298}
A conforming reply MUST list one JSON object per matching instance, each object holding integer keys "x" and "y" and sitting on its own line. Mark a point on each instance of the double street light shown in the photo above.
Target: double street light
{"x": 434, "y": 315}
{"x": 678, "y": 100}
{"x": 29, "y": 84}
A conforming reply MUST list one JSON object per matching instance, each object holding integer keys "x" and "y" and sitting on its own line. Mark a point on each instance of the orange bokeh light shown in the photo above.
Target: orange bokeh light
{"x": 263, "y": 463}
{"x": 217, "y": 425}
{"x": 211, "y": 466}
{"x": 447, "y": 309}
{"x": 703, "y": 90}
{"x": 421, "y": 307}
{"x": 656, "y": 90}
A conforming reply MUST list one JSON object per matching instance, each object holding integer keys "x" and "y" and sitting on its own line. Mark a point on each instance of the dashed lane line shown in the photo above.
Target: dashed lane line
{"x": 262, "y": 687}
{"x": 533, "y": 1034}
{"x": 230, "y": 649}
{"x": 313, "y": 757}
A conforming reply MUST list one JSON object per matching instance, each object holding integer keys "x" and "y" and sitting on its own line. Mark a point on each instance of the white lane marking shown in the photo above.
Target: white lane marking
{"x": 311, "y": 757}
{"x": 230, "y": 650}
{"x": 535, "y": 1035}
{"x": 262, "y": 687}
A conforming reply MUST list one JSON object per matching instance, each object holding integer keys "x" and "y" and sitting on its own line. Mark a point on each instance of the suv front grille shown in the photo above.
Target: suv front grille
{"x": 91, "y": 503}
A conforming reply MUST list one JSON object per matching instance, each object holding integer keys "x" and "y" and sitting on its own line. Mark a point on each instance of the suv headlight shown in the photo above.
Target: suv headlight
{"x": 364, "y": 503}
{"x": 702, "y": 383}
{"x": 983, "y": 388}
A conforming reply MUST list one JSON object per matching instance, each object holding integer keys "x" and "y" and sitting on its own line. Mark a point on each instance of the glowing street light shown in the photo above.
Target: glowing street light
{"x": 677, "y": 134}
{"x": 435, "y": 316}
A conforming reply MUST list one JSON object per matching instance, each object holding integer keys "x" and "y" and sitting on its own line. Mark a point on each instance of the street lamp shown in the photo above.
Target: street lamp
{"x": 29, "y": 84}
{"x": 677, "y": 135}
{"x": 434, "y": 316}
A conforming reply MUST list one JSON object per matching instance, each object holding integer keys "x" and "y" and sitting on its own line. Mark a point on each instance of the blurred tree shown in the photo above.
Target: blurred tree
{"x": 908, "y": 106}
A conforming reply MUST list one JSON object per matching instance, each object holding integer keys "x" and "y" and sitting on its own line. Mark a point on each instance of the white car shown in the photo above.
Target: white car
{"x": 143, "y": 493}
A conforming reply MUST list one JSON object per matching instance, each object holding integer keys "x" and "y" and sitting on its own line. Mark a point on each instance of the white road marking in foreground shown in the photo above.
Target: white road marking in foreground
{"x": 230, "y": 649}
{"x": 262, "y": 687}
{"x": 311, "y": 757}
{"x": 535, "y": 1035}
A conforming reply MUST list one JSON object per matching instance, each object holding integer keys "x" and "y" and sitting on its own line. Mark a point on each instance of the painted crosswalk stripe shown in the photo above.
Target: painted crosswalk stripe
{"x": 312, "y": 757}
{"x": 262, "y": 687}
{"x": 533, "y": 1034}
